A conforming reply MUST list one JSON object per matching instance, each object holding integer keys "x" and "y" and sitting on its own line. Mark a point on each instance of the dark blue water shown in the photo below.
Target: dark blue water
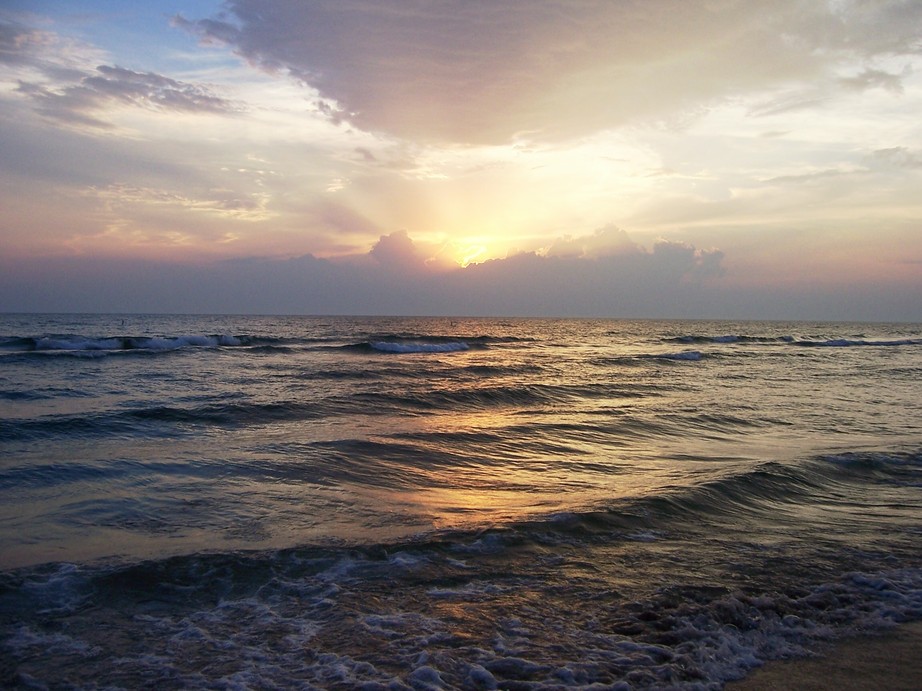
{"x": 288, "y": 502}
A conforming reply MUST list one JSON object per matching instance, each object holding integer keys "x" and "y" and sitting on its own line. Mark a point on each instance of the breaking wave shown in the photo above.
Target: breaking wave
{"x": 410, "y": 347}
{"x": 104, "y": 345}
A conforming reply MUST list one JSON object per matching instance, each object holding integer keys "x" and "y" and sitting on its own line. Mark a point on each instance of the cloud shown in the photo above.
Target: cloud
{"x": 16, "y": 42}
{"x": 23, "y": 46}
{"x": 870, "y": 79}
{"x": 814, "y": 176}
{"x": 54, "y": 75}
{"x": 683, "y": 260}
{"x": 393, "y": 278}
{"x": 151, "y": 90}
{"x": 671, "y": 280}
{"x": 77, "y": 103}
{"x": 609, "y": 240}
{"x": 397, "y": 251}
{"x": 402, "y": 256}
{"x": 219, "y": 202}
{"x": 485, "y": 73}
{"x": 899, "y": 157}
{"x": 183, "y": 172}
{"x": 790, "y": 102}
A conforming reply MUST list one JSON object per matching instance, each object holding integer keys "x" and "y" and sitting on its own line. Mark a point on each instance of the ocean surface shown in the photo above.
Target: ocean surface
{"x": 223, "y": 502}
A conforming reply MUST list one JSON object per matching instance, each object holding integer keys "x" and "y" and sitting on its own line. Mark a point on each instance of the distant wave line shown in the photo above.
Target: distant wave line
{"x": 791, "y": 340}
{"x": 395, "y": 343}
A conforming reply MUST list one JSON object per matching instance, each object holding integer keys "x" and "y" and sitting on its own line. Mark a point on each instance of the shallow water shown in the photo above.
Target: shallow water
{"x": 262, "y": 502}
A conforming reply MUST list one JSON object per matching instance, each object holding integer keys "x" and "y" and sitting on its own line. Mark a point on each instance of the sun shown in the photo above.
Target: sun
{"x": 470, "y": 254}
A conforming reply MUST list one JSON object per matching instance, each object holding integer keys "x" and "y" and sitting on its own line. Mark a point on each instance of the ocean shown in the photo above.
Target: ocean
{"x": 239, "y": 502}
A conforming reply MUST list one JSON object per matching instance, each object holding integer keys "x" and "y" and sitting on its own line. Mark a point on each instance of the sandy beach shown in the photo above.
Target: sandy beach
{"x": 891, "y": 661}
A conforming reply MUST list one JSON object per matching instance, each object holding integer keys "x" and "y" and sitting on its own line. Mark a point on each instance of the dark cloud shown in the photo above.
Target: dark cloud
{"x": 484, "y": 72}
{"x": 671, "y": 280}
{"x": 151, "y": 90}
{"x": 14, "y": 42}
{"x": 683, "y": 260}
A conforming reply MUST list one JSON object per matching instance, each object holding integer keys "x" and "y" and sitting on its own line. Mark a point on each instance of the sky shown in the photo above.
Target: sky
{"x": 738, "y": 159}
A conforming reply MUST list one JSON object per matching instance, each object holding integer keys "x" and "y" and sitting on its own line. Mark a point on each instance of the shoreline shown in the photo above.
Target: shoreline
{"x": 891, "y": 660}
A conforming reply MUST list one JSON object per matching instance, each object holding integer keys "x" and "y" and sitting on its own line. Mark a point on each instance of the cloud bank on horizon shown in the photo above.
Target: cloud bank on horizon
{"x": 666, "y": 158}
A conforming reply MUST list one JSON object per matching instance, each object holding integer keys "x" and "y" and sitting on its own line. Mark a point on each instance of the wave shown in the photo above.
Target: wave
{"x": 428, "y": 343}
{"x": 388, "y": 372}
{"x": 641, "y": 358}
{"x": 760, "y": 494}
{"x": 69, "y": 342}
{"x": 44, "y": 394}
{"x": 161, "y": 421}
{"x": 321, "y": 619}
{"x": 728, "y": 338}
{"x": 848, "y": 343}
{"x": 686, "y": 355}
{"x": 170, "y": 420}
{"x": 769, "y": 491}
{"x": 448, "y": 338}
{"x": 670, "y": 590}
{"x": 389, "y": 343}
{"x": 379, "y": 343}
{"x": 476, "y": 398}
{"x": 417, "y": 347}
{"x": 792, "y": 340}
{"x": 468, "y": 391}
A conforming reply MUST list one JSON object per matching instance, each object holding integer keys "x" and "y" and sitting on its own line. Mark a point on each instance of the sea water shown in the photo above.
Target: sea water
{"x": 312, "y": 502}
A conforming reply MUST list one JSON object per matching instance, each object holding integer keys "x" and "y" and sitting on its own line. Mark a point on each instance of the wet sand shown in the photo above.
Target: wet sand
{"x": 892, "y": 661}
